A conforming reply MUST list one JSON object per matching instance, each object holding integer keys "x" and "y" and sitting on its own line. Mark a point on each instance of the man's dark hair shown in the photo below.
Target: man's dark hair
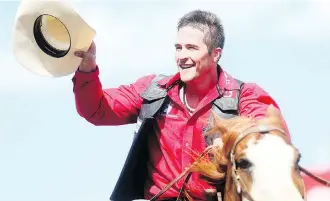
{"x": 209, "y": 24}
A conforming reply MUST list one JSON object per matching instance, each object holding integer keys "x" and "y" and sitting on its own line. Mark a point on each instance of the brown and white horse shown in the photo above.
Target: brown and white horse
{"x": 257, "y": 160}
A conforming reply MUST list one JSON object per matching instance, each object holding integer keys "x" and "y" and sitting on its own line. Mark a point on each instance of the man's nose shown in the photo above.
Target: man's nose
{"x": 183, "y": 54}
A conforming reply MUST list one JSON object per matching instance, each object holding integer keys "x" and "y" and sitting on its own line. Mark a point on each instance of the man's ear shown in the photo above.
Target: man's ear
{"x": 216, "y": 54}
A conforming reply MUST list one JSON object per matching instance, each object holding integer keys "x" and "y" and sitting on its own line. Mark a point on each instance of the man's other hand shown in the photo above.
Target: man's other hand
{"x": 88, "y": 62}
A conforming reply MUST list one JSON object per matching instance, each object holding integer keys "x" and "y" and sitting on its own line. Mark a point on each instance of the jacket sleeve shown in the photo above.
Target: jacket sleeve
{"x": 111, "y": 106}
{"x": 254, "y": 102}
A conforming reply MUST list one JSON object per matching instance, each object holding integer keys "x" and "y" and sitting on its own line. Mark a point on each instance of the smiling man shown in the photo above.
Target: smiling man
{"x": 171, "y": 112}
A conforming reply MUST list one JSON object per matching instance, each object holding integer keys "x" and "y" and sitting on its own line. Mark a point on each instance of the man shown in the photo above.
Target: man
{"x": 172, "y": 111}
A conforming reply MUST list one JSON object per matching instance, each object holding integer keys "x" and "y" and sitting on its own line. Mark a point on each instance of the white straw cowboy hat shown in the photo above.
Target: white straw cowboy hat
{"x": 46, "y": 34}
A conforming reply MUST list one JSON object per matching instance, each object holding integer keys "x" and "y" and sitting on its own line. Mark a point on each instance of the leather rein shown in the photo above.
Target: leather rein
{"x": 240, "y": 185}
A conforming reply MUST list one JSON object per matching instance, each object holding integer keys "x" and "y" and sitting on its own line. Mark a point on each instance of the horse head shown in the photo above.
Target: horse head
{"x": 257, "y": 160}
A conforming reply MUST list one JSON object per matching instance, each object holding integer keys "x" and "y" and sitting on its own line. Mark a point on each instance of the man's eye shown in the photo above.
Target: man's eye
{"x": 192, "y": 48}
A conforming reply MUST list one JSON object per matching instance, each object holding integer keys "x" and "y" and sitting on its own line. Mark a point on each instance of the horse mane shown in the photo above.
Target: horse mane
{"x": 214, "y": 169}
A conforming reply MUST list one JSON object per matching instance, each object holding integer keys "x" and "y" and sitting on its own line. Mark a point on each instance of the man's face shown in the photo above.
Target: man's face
{"x": 192, "y": 55}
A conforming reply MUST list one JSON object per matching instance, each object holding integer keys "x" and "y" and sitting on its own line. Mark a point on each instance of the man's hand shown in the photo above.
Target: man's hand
{"x": 88, "y": 62}
{"x": 218, "y": 142}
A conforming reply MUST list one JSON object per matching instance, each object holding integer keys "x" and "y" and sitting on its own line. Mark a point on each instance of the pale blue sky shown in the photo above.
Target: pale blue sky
{"x": 49, "y": 153}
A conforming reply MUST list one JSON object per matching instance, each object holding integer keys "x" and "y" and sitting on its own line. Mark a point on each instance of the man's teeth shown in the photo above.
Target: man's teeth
{"x": 186, "y": 66}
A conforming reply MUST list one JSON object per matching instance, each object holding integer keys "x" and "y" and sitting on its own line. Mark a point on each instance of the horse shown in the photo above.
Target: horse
{"x": 257, "y": 160}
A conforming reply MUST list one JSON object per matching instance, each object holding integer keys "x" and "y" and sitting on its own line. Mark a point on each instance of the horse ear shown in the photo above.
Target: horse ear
{"x": 272, "y": 111}
{"x": 274, "y": 114}
{"x": 218, "y": 124}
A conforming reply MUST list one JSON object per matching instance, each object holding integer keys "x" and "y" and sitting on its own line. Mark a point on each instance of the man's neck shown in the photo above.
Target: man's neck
{"x": 197, "y": 90}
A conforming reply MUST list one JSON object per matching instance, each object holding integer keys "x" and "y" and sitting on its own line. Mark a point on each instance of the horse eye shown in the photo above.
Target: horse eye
{"x": 244, "y": 164}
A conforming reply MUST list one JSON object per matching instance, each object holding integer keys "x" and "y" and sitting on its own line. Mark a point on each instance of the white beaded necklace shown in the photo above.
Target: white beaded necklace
{"x": 184, "y": 100}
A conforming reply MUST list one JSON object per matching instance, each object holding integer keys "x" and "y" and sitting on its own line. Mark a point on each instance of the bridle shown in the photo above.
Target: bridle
{"x": 263, "y": 129}
{"x": 240, "y": 185}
